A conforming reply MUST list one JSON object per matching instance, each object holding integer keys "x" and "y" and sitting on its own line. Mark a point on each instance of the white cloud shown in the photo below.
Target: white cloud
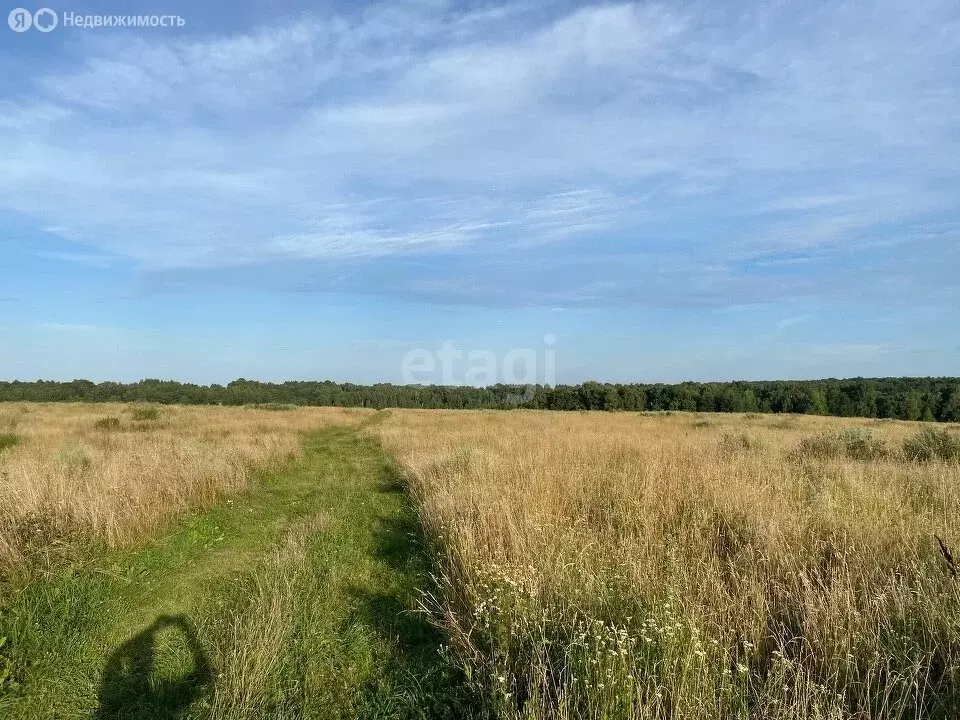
{"x": 759, "y": 128}
{"x": 74, "y": 328}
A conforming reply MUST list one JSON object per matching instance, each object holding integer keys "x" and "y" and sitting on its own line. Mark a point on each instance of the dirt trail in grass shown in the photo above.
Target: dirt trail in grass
{"x": 221, "y": 619}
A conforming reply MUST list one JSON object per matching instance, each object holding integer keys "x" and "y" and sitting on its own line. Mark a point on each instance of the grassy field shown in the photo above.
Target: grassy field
{"x": 320, "y": 563}
{"x": 279, "y": 588}
{"x": 682, "y": 566}
{"x": 107, "y": 474}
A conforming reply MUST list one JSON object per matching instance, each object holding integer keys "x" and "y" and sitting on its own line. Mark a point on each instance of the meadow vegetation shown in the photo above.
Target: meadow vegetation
{"x": 281, "y": 583}
{"x": 288, "y": 562}
{"x": 627, "y": 565}
{"x": 73, "y": 476}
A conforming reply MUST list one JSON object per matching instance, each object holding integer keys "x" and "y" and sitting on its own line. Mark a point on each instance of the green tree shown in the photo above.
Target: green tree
{"x": 818, "y": 403}
{"x": 612, "y": 399}
{"x": 951, "y": 408}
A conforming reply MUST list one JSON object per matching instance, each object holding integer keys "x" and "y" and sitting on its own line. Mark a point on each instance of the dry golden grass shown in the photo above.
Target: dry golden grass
{"x": 590, "y": 565}
{"x": 688, "y": 566}
{"x": 72, "y": 473}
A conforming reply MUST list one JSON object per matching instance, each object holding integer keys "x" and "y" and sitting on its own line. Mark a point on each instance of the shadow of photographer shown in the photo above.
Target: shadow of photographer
{"x": 131, "y": 687}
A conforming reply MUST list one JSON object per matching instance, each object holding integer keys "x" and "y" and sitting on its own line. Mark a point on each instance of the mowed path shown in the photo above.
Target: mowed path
{"x": 294, "y": 599}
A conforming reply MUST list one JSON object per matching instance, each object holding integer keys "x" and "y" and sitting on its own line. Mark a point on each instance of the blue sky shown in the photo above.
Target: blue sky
{"x": 685, "y": 190}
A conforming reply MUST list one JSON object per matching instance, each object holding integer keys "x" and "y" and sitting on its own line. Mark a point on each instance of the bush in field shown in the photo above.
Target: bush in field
{"x": 8, "y": 441}
{"x": 75, "y": 458}
{"x": 736, "y": 443}
{"x": 820, "y": 446}
{"x": 853, "y": 443}
{"x": 932, "y": 443}
{"x": 860, "y": 444}
{"x": 144, "y": 414}
{"x": 107, "y": 424}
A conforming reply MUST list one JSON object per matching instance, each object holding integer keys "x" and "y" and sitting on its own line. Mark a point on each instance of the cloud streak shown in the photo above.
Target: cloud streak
{"x": 681, "y": 155}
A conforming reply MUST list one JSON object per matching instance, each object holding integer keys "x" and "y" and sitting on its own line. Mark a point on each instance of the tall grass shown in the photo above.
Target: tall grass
{"x": 253, "y": 645}
{"x": 932, "y": 443}
{"x": 636, "y": 566}
{"x": 587, "y": 565}
{"x": 106, "y": 475}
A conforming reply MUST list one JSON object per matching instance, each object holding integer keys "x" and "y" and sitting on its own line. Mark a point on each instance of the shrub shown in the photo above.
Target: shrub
{"x": 820, "y": 446}
{"x": 107, "y": 424}
{"x": 144, "y": 414}
{"x": 784, "y": 423}
{"x": 932, "y": 443}
{"x": 8, "y": 441}
{"x": 853, "y": 443}
{"x": 860, "y": 444}
{"x": 75, "y": 458}
{"x": 735, "y": 443}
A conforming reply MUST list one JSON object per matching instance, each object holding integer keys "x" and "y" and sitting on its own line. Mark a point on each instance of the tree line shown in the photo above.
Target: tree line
{"x": 928, "y": 399}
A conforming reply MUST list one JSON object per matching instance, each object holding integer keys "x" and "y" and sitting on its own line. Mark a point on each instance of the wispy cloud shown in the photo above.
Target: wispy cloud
{"x": 682, "y": 154}
{"x": 781, "y": 326}
{"x": 74, "y": 328}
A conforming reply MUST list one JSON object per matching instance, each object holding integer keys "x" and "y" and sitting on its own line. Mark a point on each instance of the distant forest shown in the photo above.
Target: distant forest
{"x": 929, "y": 399}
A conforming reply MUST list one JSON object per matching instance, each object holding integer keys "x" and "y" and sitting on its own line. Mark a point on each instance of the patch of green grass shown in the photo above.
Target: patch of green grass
{"x": 107, "y": 424}
{"x": 8, "y": 440}
{"x": 74, "y": 456}
{"x": 341, "y": 608}
{"x": 297, "y": 599}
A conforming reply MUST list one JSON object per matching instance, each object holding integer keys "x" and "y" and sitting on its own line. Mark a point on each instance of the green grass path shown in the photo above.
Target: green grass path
{"x": 291, "y": 600}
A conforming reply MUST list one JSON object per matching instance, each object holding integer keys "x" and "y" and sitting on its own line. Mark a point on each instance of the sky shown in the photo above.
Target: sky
{"x": 664, "y": 191}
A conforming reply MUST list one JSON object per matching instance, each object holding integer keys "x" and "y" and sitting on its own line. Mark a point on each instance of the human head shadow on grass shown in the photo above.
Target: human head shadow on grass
{"x": 130, "y": 687}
